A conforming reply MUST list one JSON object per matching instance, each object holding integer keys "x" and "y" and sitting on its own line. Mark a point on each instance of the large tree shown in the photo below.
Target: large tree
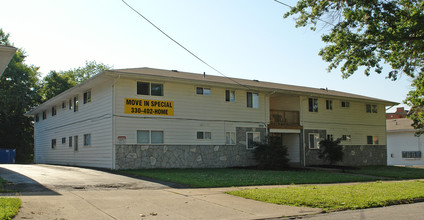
{"x": 57, "y": 82}
{"x": 19, "y": 92}
{"x": 369, "y": 34}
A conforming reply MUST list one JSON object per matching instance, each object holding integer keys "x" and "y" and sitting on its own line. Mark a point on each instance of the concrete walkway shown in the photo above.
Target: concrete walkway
{"x": 129, "y": 198}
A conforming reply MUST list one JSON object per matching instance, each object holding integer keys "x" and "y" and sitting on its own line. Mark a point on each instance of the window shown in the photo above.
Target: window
{"x": 87, "y": 139}
{"x": 252, "y": 100}
{"x": 204, "y": 135}
{"x": 411, "y": 154}
{"x": 37, "y": 118}
{"x": 252, "y": 139}
{"x": 149, "y": 137}
{"x": 230, "y": 96}
{"x": 87, "y": 97}
{"x": 70, "y": 104}
{"x": 63, "y": 105}
{"x": 203, "y": 91}
{"x": 53, "y": 143}
{"x": 76, "y": 143}
{"x": 44, "y": 115}
{"x": 314, "y": 141}
{"x": 313, "y": 105}
{"x": 75, "y": 103}
{"x": 230, "y": 138}
{"x": 371, "y": 108}
{"x": 53, "y": 110}
{"x": 372, "y": 140}
{"x": 329, "y": 104}
{"x": 146, "y": 88}
{"x": 346, "y": 137}
{"x": 330, "y": 137}
{"x": 70, "y": 141}
{"x": 345, "y": 104}
{"x": 64, "y": 140}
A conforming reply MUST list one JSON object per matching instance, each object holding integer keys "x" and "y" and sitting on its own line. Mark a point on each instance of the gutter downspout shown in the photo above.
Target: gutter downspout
{"x": 113, "y": 122}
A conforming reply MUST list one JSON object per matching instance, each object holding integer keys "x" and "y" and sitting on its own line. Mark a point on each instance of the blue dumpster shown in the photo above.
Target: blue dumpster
{"x": 7, "y": 155}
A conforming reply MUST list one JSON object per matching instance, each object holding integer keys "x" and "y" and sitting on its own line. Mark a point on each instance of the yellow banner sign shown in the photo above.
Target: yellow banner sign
{"x": 149, "y": 107}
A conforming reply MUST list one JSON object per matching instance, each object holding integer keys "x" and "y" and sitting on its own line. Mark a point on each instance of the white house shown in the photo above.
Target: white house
{"x": 150, "y": 118}
{"x": 403, "y": 147}
{"x": 6, "y": 54}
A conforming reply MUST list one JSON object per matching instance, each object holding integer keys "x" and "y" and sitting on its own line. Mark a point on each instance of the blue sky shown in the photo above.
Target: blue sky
{"x": 241, "y": 38}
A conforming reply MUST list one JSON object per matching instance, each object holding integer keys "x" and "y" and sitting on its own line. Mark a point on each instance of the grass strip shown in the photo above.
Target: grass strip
{"x": 9, "y": 207}
{"x": 339, "y": 197}
{"x": 244, "y": 177}
{"x": 390, "y": 172}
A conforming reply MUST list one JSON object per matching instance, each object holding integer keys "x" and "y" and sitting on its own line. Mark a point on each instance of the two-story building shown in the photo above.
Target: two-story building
{"x": 152, "y": 118}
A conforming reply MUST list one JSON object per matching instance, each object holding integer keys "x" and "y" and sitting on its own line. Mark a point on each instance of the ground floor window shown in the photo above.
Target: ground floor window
{"x": 53, "y": 143}
{"x": 314, "y": 141}
{"x": 87, "y": 139}
{"x": 149, "y": 137}
{"x": 372, "y": 140}
{"x": 230, "y": 138}
{"x": 252, "y": 139}
{"x": 411, "y": 154}
{"x": 70, "y": 141}
{"x": 204, "y": 135}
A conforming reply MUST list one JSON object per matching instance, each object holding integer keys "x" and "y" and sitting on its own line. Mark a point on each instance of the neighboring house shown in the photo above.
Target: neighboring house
{"x": 403, "y": 147}
{"x": 6, "y": 54}
{"x": 151, "y": 118}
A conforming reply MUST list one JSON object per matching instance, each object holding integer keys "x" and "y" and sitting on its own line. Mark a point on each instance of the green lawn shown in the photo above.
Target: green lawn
{"x": 390, "y": 172}
{"x": 244, "y": 177}
{"x": 339, "y": 197}
{"x": 9, "y": 207}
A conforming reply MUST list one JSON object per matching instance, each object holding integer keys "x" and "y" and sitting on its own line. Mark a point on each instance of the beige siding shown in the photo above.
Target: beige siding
{"x": 192, "y": 113}
{"x": 354, "y": 120}
{"x": 93, "y": 118}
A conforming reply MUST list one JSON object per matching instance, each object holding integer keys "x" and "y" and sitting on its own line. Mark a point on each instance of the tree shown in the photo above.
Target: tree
{"x": 19, "y": 92}
{"x": 57, "y": 82}
{"x": 330, "y": 151}
{"x": 271, "y": 154}
{"x": 369, "y": 33}
{"x": 415, "y": 98}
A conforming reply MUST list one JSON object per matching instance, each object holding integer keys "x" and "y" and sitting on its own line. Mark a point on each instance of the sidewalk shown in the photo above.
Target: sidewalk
{"x": 151, "y": 204}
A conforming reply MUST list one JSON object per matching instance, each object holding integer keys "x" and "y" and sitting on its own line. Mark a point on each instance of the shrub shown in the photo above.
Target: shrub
{"x": 271, "y": 154}
{"x": 330, "y": 151}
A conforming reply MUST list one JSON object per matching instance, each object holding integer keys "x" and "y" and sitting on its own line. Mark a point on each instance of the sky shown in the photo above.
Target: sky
{"x": 246, "y": 39}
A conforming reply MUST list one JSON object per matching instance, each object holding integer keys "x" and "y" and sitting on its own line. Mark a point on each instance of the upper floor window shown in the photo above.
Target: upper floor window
{"x": 345, "y": 104}
{"x": 53, "y": 110}
{"x": 313, "y": 105}
{"x": 230, "y": 96}
{"x": 76, "y": 103}
{"x": 203, "y": 91}
{"x": 63, "y": 140}
{"x": 146, "y": 88}
{"x": 87, "y": 97}
{"x": 63, "y": 105}
{"x": 329, "y": 104}
{"x": 44, "y": 115}
{"x": 371, "y": 108}
{"x": 252, "y": 100}
{"x": 37, "y": 118}
{"x": 70, "y": 104}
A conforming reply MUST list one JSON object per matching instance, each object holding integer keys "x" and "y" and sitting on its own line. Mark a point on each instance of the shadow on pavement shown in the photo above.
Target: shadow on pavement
{"x": 18, "y": 183}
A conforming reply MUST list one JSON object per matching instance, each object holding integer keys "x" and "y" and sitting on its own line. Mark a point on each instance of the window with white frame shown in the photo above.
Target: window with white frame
{"x": 252, "y": 139}
{"x": 147, "y": 88}
{"x": 54, "y": 111}
{"x": 371, "y": 108}
{"x": 252, "y": 100}
{"x": 313, "y": 105}
{"x": 87, "y": 139}
{"x": 63, "y": 140}
{"x": 345, "y": 104}
{"x": 372, "y": 139}
{"x": 87, "y": 97}
{"x": 204, "y": 135}
{"x": 230, "y": 96}
{"x": 76, "y": 103}
{"x": 63, "y": 105}
{"x": 230, "y": 138}
{"x": 44, "y": 115}
{"x": 329, "y": 104}
{"x": 203, "y": 91}
{"x": 70, "y": 104}
{"x": 53, "y": 143}
{"x": 149, "y": 137}
{"x": 313, "y": 141}
{"x": 411, "y": 154}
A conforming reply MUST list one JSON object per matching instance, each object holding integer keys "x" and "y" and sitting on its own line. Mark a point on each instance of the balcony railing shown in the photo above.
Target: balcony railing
{"x": 284, "y": 119}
